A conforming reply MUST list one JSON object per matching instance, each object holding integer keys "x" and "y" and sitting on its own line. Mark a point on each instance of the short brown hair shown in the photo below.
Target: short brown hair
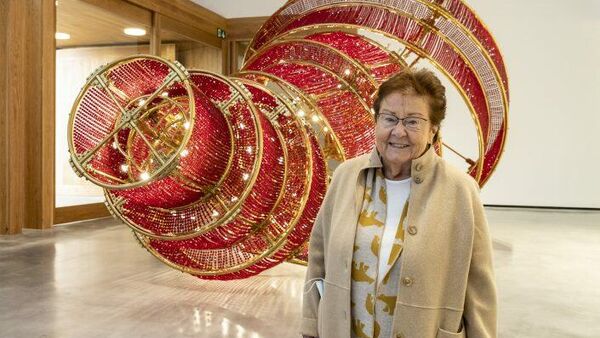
{"x": 421, "y": 82}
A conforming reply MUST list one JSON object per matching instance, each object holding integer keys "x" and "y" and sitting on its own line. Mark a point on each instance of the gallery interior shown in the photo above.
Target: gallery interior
{"x": 79, "y": 257}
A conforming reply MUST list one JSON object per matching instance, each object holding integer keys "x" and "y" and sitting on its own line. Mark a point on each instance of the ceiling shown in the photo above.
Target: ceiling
{"x": 90, "y": 25}
{"x": 241, "y": 9}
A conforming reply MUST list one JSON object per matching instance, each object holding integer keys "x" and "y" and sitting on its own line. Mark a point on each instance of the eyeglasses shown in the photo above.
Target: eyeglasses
{"x": 411, "y": 123}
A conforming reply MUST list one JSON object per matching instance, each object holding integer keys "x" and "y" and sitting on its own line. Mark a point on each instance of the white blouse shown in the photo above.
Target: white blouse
{"x": 397, "y": 194}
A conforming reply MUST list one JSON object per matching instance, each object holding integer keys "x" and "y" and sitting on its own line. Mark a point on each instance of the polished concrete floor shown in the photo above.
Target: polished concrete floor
{"x": 91, "y": 279}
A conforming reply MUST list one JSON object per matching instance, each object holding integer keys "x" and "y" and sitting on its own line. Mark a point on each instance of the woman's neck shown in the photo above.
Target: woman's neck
{"x": 397, "y": 173}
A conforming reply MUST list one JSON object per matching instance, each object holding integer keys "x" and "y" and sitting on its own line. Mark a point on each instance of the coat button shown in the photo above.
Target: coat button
{"x": 412, "y": 230}
{"x": 399, "y": 335}
{"x": 418, "y": 180}
{"x": 418, "y": 167}
{"x": 407, "y": 281}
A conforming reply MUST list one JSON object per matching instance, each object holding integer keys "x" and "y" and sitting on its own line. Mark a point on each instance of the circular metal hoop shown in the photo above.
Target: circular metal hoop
{"x": 143, "y": 104}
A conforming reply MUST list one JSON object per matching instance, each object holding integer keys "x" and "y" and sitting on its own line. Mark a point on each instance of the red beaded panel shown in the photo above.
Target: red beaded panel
{"x": 119, "y": 113}
{"x": 200, "y": 166}
{"x": 461, "y": 12}
{"x": 350, "y": 120}
{"x": 372, "y": 56}
{"x": 329, "y": 58}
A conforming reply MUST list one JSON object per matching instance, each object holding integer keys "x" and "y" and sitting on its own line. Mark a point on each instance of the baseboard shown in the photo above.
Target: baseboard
{"x": 80, "y": 213}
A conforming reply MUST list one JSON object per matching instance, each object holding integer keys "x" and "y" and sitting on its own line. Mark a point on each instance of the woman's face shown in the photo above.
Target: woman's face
{"x": 399, "y": 145}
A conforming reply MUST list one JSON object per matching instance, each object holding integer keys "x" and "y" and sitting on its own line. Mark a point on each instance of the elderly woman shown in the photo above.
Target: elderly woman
{"x": 400, "y": 247}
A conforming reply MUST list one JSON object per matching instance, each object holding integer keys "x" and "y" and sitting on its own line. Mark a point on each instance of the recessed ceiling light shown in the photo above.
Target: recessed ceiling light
{"x": 133, "y": 31}
{"x": 62, "y": 36}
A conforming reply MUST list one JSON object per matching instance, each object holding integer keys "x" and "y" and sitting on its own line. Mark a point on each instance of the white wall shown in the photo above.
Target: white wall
{"x": 551, "y": 50}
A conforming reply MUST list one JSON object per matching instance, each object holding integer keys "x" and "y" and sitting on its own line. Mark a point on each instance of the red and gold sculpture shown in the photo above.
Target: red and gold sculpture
{"x": 222, "y": 177}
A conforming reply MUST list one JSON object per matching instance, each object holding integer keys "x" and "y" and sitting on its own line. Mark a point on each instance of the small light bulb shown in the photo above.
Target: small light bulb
{"x": 245, "y": 177}
{"x": 62, "y": 36}
{"x": 186, "y": 125}
{"x": 124, "y": 168}
{"x": 144, "y": 176}
{"x": 215, "y": 213}
{"x": 301, "y": 113}
{"x": 164, "y": 94}
{"x": 184, "y": 153}
{"x": 249, "y": 149}
{"x": 339, "y": 86}
{"x": 234, "y": 199}
{"x": 315, "y": 118}
{"x": 325, "y": 129}
{"x": 134, "y": 31}
{"x": 346, "y": 71}
{"x": 115, "y": 145}
{"x": 242, "y": 126}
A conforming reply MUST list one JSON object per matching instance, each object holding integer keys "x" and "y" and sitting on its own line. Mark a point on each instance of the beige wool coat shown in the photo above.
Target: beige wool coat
{"x": 447, "y": 286}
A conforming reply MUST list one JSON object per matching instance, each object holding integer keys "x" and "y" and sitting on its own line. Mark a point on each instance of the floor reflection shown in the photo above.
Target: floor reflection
{"x": 93, "y": 280}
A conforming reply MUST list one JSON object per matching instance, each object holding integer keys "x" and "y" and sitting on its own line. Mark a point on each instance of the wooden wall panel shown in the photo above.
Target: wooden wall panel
{"x": 14, "y": 117}
{"x": 189, "y": 31}
{"x": 31, "y": 109}
{"x": 48, "y": 176}
{"x": 155, "y": 35}
{"x": 5, "y": 225}
{"x": 80, "y": 212}
{"x": 123, "y": 9}
{"x": 238, "y": 30}
{"x": 244, "y": 28}
{"x": 100, "y": 22}
{"x": 26, "y": 186}
{"x": 187, "y": 18}
{"x": 196, "y": 56}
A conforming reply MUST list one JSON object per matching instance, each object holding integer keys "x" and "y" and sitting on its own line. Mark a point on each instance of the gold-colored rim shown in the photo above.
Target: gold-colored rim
{"x": 293, "y": 91}
{"x": 177, "y": 73}
{"x": 291, "y": 40}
